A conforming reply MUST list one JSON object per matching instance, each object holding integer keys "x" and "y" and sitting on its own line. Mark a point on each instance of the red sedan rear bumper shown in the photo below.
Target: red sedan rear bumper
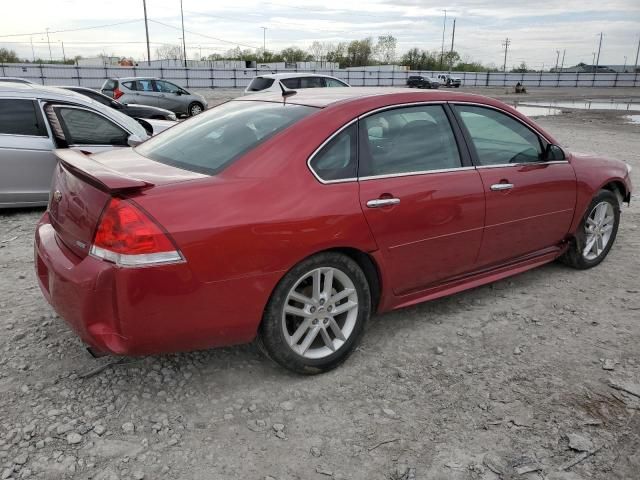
{"x": 139, "y": 311}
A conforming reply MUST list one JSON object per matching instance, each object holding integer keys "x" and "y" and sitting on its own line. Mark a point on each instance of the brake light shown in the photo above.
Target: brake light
{"x": 127, "y": 237}
{"x": 117, "y": 93}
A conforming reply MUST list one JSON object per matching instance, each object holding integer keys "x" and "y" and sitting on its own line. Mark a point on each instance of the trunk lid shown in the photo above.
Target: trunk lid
{"x": 83, "y": 185}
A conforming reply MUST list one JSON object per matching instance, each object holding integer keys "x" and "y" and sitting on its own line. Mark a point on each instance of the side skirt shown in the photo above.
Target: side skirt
{"x": 478, "y": 278}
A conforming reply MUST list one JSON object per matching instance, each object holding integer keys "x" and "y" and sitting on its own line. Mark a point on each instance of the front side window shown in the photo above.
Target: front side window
{"x": 211, "y": 141}
{"x": 407, "y": 139}
{"x": 167, "y": 87}
{"x": 498, "y": 138}
{"x": 338, "y": 159}
{"x": 332, "y": 82}
{"x": 82, "y": 127}
{"x": 19, "y": 117}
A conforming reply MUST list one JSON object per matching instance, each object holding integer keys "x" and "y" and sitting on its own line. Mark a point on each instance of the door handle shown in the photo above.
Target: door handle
{"x": 382, "y": 202}
{"x": 496, "y": 187}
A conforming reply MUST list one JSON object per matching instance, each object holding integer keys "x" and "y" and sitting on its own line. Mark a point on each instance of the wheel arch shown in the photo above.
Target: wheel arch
{"x": 619, "y": 189}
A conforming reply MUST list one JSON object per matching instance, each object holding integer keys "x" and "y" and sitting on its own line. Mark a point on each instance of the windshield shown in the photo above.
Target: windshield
{"x": 213, "y": 140}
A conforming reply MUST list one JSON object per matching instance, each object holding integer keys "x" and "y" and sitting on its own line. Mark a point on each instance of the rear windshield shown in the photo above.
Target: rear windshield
{"x": 260, "y": 83}
{"x": 110, "y": 84}
{"x": 211, "y": 141}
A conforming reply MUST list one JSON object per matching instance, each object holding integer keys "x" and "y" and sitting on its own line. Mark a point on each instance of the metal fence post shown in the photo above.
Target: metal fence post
{"x": 78, "y": 74}
{"x": 487, "y": 80}
{"x": 615, "y": 80}
{"x": 3, "y": 71}
{"x": 540, "y": 79}
{"x": 41, "y": 75}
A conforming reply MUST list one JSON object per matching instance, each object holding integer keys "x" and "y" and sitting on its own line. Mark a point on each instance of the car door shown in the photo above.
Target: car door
{"x": 26, "y": 153}
{"x": 86, "y": 130}
{"x": 423, "y": 200}
{"x": 530, "y": 199}
{"x": 311, "y": 82}
{"x": 140, "y": 92}
{"x": 170, "y": 96}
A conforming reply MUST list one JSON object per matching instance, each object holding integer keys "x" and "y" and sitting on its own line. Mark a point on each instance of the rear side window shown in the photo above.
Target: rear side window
{"x": 311, "y": 82}
{"x": 82, "y": 127}
{"x": 337, "y": 160}
{"x": 110, "y": 84}
{"x": 260, "y": 83}
{"x": 292, "y": 83}
{"x": 407, "y": 140}
{"x": 20, "y": 117}
{"x": 140, "y": 85}
{"x": 211, "y": 141}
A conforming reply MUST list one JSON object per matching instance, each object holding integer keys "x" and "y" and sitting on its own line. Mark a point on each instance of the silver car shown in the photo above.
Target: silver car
{"x": 35, "y": 120}
{"x": 155, "y": 92}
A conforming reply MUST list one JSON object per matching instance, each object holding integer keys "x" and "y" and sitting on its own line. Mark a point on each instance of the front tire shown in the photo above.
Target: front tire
{"x": 195, "y": 108}
{"x": 316, "y": 314}
{"x": 596, "y": 234}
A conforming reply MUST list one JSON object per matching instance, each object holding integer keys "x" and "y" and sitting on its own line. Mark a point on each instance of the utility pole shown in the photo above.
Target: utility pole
{"x": 624, "y": 67}
{"x": 146, "y": 29}
{"x": 506, "y": 48}
{"x": 444, "y": 28}
{"x": 33, "y": 52}
{"x": 599, "y": 47}
{"x": 562, "y": 65}
{"x": 453, "y": 36}
{"x": 635, "y": 67}
{"x": 64, "y": 57}
{"x": 264, "y": 44}
{"x": 49, "y": 43}
{"x": 557, "y": 59}
{"x": 184, "y": 45}
{"x": 593, "y": 61}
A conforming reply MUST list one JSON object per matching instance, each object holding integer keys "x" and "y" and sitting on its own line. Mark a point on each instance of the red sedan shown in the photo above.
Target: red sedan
{"x": 292, "y": 220}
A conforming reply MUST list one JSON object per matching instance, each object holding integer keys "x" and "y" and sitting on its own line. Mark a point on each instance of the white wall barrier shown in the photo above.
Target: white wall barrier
{"x": 93, "y": 77}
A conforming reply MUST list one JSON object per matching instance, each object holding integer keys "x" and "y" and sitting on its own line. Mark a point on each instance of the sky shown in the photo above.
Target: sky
{"x": 537, "y": 30}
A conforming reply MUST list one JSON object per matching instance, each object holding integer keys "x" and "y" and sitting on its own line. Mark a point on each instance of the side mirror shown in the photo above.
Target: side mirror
{"x": 553, "y": 152}
{"x": 134, "y": 140}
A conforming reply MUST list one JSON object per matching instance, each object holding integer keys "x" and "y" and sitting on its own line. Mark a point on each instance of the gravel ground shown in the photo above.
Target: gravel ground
{"x": 510, "y": 380}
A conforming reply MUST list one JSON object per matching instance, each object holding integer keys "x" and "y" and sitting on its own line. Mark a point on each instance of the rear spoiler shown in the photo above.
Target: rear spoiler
{"x": 97, "y": 174}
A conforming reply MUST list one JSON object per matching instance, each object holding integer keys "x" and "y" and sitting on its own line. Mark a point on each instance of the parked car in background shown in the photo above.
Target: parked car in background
{"x": 156, "y": 93}
{"x": 418, "y": 81}
{"x": 15, "y": 80}
{"x": 293, "y": 81}
{"x": 295, "y": 221}
{"x": 36, "y": 120}
{"x": 131, "y": 109}
{"x": 449, "y": 81}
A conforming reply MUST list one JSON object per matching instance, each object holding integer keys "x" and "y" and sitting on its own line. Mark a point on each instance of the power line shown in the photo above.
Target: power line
{"x": 203, "y": 35}
{"x": 70, "y": 29}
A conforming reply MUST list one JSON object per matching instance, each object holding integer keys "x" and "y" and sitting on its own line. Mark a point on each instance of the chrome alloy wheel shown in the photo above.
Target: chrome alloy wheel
{"x": 320, "y": 313}
{"x": 598, "y": 228}
{"x": 196, "y": 109}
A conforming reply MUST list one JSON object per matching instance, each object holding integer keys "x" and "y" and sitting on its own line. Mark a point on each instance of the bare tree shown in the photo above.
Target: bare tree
{"x": 169, "y": 52}
{"x": 386, "y": 49}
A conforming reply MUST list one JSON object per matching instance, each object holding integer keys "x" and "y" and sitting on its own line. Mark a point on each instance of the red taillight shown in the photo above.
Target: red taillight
{"x": 128, "y": 237}
{"x": 117, "y": 93}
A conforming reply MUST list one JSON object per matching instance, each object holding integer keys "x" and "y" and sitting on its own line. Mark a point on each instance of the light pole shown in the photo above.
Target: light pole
{"x": 624, "y": 68}
{"x": 557, "y": 59}
{"x": 264, "y": 44}
{"x": 146, "y": 29}
{"x": 49, "y": 43}
{"x": 444, "y": 27}
{"x": 33, "y": 52}
{"x": 184, "y": 45}
{"x": 599, "y": 47}
{"x": 64, "y": 56}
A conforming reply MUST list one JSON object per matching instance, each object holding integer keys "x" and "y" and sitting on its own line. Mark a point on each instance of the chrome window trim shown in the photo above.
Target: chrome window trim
{"x": 426, "y": 172}
{"x": 420, "y": 172}
{"x": 21, "y": 135}
{"x": 503, "y": 165}
{"x": 322, "y": 145}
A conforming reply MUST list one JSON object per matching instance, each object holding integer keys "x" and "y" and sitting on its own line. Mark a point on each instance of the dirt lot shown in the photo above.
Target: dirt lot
{"x": 511, "y": 380}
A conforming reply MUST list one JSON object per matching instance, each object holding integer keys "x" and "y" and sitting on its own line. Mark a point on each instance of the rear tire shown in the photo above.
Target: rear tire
{"x": 310, "y": 337}
{"x": 596, "y": 234}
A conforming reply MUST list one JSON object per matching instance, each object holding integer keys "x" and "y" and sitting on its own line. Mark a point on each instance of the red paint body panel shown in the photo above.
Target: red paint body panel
{"x": 240, "y": 231}
{"x": 536, "y": 213}
{"x": 435, "y": 231}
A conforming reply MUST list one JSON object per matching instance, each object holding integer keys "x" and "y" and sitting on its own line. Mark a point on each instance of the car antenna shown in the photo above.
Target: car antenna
{"x": 286, "y": 92}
